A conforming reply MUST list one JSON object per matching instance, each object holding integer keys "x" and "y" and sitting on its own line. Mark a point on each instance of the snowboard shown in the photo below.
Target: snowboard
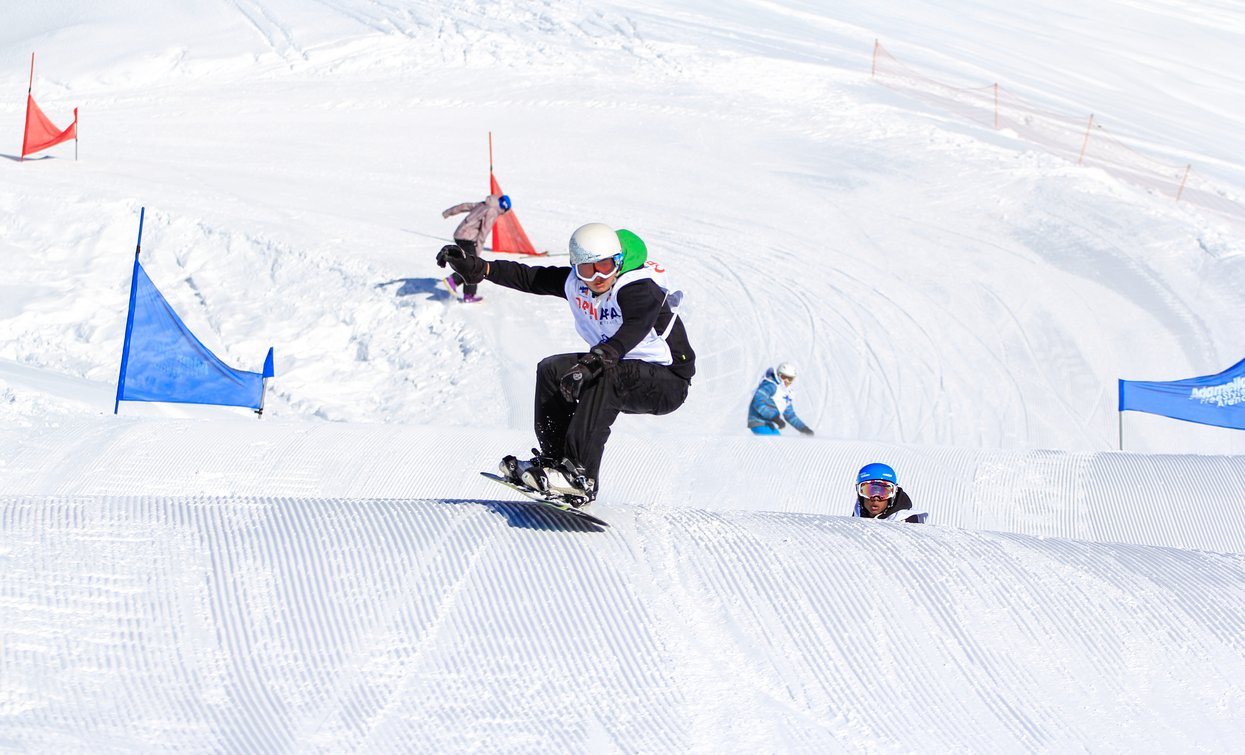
{"x": 551, "y": 501}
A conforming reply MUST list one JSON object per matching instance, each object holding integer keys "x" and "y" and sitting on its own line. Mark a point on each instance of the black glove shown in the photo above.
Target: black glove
{"x": 589, "y": 367}
{"x": 471, "y": 269}
{"x": 806, "y": 430}
{"x": 777, "y": 423}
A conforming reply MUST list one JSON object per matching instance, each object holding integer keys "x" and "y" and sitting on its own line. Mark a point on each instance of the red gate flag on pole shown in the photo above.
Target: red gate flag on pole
{"x": 40, "y": 132}
{"x": 508, "y": 234}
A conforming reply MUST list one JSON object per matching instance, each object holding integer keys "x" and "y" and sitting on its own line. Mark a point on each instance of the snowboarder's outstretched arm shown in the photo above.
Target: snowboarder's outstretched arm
{"x": 548, "y": 281}
{"x": 459, "y": 208}
{"x": 545, "y": 281}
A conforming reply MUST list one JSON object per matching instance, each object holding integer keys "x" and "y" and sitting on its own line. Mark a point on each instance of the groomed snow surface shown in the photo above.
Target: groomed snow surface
{"x": 336, "y": 577}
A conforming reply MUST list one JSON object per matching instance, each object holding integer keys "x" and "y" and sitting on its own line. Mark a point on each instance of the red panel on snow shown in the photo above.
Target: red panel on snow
{"x": 41, "y": 133}
{"x": 508, "y": 235}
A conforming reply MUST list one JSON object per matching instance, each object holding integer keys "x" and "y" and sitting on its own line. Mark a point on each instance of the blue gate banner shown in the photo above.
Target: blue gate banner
{"x": 1211, "y": 400}
{"x": 163, "y": 361}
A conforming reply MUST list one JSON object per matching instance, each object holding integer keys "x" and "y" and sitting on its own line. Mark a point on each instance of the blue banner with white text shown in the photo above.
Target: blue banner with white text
{"x": 163, "y": 361}
{"x": 1210, "y": 400}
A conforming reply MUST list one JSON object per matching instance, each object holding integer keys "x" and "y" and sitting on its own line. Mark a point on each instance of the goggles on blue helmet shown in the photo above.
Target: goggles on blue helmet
{"x": 879, "y": 489}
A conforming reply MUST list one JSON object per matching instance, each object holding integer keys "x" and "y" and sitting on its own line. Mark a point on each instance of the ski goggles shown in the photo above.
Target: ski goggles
{"x": 599, "y": 270}
{"x": 876, "y": 489}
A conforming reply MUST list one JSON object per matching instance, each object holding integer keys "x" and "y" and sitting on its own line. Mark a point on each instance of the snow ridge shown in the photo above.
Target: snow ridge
{"x": 270, "y": 624}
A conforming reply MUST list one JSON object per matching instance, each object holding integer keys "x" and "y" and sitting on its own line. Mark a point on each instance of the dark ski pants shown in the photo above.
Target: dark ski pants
{"x": 469, "y": 289}
{"x": 579, "y": 430}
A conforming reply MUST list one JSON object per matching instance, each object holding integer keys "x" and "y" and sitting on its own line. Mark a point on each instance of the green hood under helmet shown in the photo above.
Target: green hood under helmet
{"x": 635, "y": 253}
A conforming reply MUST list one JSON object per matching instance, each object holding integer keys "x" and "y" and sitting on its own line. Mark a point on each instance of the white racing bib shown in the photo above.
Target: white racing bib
{"x": 598, "y": 318}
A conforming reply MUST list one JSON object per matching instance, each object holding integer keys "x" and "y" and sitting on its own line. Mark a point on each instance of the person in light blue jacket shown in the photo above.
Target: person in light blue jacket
{"x": 771, "y": 409}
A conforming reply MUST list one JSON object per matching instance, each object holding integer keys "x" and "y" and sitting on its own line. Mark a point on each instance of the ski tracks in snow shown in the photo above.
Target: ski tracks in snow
{"x": 273, "y": 586}
{"x": 276, "y": 34}
{"x": 348, "y": 624}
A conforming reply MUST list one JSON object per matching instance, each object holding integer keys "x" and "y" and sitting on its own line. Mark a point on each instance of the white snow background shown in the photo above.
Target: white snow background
{"x": 335, "y": 577}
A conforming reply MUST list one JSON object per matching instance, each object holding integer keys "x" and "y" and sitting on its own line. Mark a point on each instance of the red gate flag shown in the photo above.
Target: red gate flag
{"x": 41, "y": 133}
{"x": 508, "y": 235}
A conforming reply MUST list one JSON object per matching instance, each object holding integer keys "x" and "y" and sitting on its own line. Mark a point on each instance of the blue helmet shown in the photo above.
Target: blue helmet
{"x": 876, "y": 471}
{"x": 504, "y": 202}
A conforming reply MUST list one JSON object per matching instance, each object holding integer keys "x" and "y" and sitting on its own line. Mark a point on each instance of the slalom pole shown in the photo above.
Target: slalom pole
{"x": 493, "y": 234}
{"x": 263, "y": 383}
{"x": 75, "y": 146}
{"x": 129, "y": 320}
{"x": 30, "y": 88}
{"x": 138, "y": 247}
{"x": 1119, "y": 410}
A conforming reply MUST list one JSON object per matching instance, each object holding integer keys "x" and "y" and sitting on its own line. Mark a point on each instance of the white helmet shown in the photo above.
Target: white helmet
{"x": 786, "y": 369}
{"x": 594, "y": 242}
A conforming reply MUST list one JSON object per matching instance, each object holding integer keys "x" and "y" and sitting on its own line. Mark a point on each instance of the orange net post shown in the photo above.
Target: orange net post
{"x": 1183, "y": 180}
{"x": 1080, "y": 159}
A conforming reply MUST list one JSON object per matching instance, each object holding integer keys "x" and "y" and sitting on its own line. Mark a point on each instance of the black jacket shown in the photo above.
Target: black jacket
{"x": 895, "y": 512}
{"x": 642, "y": 304}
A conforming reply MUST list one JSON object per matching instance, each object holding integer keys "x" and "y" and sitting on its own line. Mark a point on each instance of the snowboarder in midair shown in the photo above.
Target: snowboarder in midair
{"x": 878, "y": 496}
{"x": 639, "y": 360}
{"x": 772, "y": 407}
{"x": 471, "y": 234}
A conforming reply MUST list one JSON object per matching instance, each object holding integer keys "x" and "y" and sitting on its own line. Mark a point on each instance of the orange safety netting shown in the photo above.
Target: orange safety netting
{"x": 41, "y": 133}
{"x": 508, "y": 234}
{"x": 1082, "y": 140}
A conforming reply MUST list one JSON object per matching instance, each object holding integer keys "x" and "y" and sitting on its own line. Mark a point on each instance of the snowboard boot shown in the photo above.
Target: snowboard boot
{"x": 565, "y": 478}
{"x": 512, "y": 468}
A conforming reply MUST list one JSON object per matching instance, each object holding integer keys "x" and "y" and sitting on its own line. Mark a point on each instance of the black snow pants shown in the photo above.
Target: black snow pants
{"x": 579, "y": 430}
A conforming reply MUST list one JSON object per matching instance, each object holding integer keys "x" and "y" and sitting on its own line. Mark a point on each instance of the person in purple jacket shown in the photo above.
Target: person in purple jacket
{"x": 470, "y": 235}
